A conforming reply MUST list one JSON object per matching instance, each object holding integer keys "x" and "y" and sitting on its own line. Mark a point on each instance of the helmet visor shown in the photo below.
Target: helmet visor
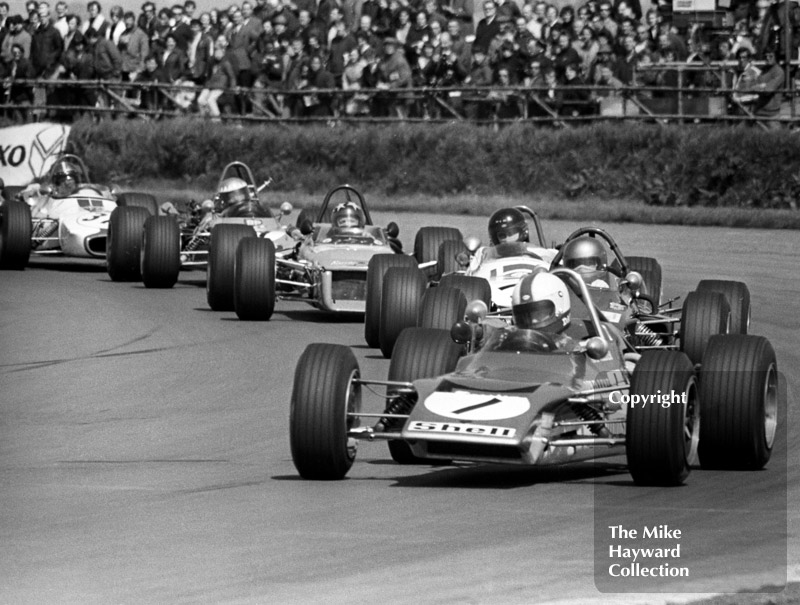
{"x": 534, "y": 314}
{"x": 584, "y": 264}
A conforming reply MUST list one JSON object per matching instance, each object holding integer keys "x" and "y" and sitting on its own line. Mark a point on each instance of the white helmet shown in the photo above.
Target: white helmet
{"x": 541, "y": 302}
{"x": 232, "y": 191}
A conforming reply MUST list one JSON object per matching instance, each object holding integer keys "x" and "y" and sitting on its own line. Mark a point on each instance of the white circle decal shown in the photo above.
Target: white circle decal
{"x": 477, "y": 406}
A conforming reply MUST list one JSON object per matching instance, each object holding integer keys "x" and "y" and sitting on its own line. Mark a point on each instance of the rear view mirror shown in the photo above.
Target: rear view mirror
{"x": 306, "y": 227}
{"x": 392, "y": 230}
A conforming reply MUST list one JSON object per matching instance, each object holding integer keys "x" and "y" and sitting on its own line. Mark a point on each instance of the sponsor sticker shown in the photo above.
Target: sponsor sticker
{"x": 612, "y": 317}
{"x": 420, "y": 426}
{"x": 477, "y": 406}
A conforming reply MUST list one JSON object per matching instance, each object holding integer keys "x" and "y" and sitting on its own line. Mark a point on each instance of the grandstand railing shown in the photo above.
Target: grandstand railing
{"x": 50, "y": 99}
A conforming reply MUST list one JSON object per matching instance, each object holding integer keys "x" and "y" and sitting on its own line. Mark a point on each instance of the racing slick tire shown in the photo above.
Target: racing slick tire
{"x": 161, "y": 252}
{"x": 135, "y": 199}
{"x": 704, "y": 315}
{"x": 420, "y": 353}
{"x": 427, "y": 242}
{"x": 738, "y": 296}
{"x": 447, "y": 258}
{"x": 474, "y": 288}
{"x": 441, "y": 308}
{"x": 124, "y": 244}
{"x": 650, "y": 270}
{"x": 739, "y": 395}
{"x": 661, "y": 442}
{"x": 403, "y": 288}
{"x": 254, "y": 279}
{"x": 225, "y": 240}
{"x": 322, "y": 397}
{"x": 15, "y": 235}
{"x": 376, "y": 272}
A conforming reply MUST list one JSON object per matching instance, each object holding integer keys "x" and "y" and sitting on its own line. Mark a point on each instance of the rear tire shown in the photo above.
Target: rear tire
{"x": 447, "y": 262}
{"x": 427, "y": 242}
{"x": 136, "y": 199}
{"x": 441, "y": 308}
{"x": 704, "y": 315}
{"x": 221, "y": 263}
{"x": 403, "y": 288}
{"x": 124, "y": 245}
{"x": 740, "y": 396}
{"x": 420, "y": 353}
{"x": 738, "y": 296}
{"x": 161, "y": 252}
{"x": 322, "y": 396}
{"x": 376, "y": 271}
{"x": 474, "y": 288}
{"x": 650, "y": 270}
{"x": 15, "y": 235}
{"x": 254, "y": 279}
{"x": 660, "y": 443}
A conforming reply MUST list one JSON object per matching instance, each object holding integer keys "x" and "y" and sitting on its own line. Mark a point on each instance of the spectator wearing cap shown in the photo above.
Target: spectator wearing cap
{"x": 46, "y": 45}
{"x": 96, "y": 20}
{"x": 487, "y": 28}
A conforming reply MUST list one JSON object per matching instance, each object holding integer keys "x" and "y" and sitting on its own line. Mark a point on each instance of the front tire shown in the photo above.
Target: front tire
{"x": 403, "y": 288}
{"x": 660, "y": 443}
{"x": 15, "y": 235}
{"x": 739, "y": 395}
{"x": 221, "y": 263}
{"x": 376, "y": 271}
{"x": 704, "y": 315}
{"x": 124, "y": 245}
{"x": 161, "y": 252}
{"x": 254, "y": 279}
{"x": 323, "y": 395}
{"x": 420, "y": 353}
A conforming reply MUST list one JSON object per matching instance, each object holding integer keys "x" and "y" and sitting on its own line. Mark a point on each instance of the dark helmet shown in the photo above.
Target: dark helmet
{"x": 347, "y": 216}
{"x": 587, "y": 256}
{"x": 508, "y": 225}
{"x": 65, "y": 178}
{"x": 540, "y": 301}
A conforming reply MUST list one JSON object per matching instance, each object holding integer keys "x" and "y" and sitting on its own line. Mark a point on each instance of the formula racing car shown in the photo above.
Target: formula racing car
{"x": 557, "y": 386}
{"x": 65, "y": 215}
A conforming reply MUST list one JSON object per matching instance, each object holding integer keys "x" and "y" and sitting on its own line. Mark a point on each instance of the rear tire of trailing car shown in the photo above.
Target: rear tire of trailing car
{"x": 738, "y": 296}
{"x": 376, "y": 271}
{"x": 650, "y": 270}
{"x": 420, "y": 353}
{"x": 661, "y": 442}
{"x": 447, "y": 258}
{"x": 427, "y": 242}
{"x": 322, "y": 396}
{"x": 254, "y": 279}
{"x": 135, "y": 199}
{"x": 15, "y": 235}
{"x": 403, "y": 288}
{"x": 704, "y": 315}
{"x": 739, "y": 395}
{"x": 474, "y": 288}
{"x": 441, "y": 307}
{"x": 221, "y": 262}
{"x": 124, "y": 245}
{"x": 161, "y": 252}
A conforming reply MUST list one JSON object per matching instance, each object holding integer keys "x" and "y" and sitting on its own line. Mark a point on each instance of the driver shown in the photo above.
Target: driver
{"x": 65, "y": 179}
{"x": 347, "y": 217}
{"x": 541, "y": 302}
{"x": 232, "y": 191}
{"x": 508, "y": 225}
{"x": 587, "y": 257}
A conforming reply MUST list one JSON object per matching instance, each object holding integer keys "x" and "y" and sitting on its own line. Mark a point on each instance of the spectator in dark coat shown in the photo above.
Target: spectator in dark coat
{"x": 173, "y": 60}
{"x": 488, "y": 27}
{"x": 46, "y": 45}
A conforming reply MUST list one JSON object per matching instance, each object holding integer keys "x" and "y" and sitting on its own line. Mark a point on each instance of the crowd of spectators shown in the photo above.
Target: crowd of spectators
{"x": 313, "y": 46}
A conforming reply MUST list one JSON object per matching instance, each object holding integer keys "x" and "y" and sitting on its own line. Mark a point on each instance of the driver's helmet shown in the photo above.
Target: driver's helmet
{"x": 65, "y": 179}
{"x": 587, "y": 256}
{"x": 347, "y": 216}
{"x": 508, "y": 225}
{"x": 231, "y": 191}
{"x": 540, "y": 301}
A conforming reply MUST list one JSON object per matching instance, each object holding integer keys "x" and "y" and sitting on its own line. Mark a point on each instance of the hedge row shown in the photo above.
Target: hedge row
{"x": 675, "y": 165}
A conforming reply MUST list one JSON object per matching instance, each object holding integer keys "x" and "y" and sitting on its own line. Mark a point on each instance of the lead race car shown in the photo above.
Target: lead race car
{"x": 65, "y": 215}
{"x": 156, "y": 248}
{"x": 327, "y": 269}
{"x": 557, "y": 386}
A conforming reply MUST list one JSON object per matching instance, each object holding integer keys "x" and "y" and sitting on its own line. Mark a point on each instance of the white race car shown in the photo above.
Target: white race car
{"x": 67, "y": 215}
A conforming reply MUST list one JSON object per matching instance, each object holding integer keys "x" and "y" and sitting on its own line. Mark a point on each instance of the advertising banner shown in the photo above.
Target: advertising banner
{"x": 27, "y": 152}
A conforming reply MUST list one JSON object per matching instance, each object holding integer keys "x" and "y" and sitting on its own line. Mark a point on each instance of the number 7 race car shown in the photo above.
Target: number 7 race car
{"x": 503, "y": 394}
{"x": 67, "y": 215}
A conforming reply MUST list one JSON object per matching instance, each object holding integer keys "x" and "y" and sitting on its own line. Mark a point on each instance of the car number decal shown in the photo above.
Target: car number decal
{"x": 476, "y": 406}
